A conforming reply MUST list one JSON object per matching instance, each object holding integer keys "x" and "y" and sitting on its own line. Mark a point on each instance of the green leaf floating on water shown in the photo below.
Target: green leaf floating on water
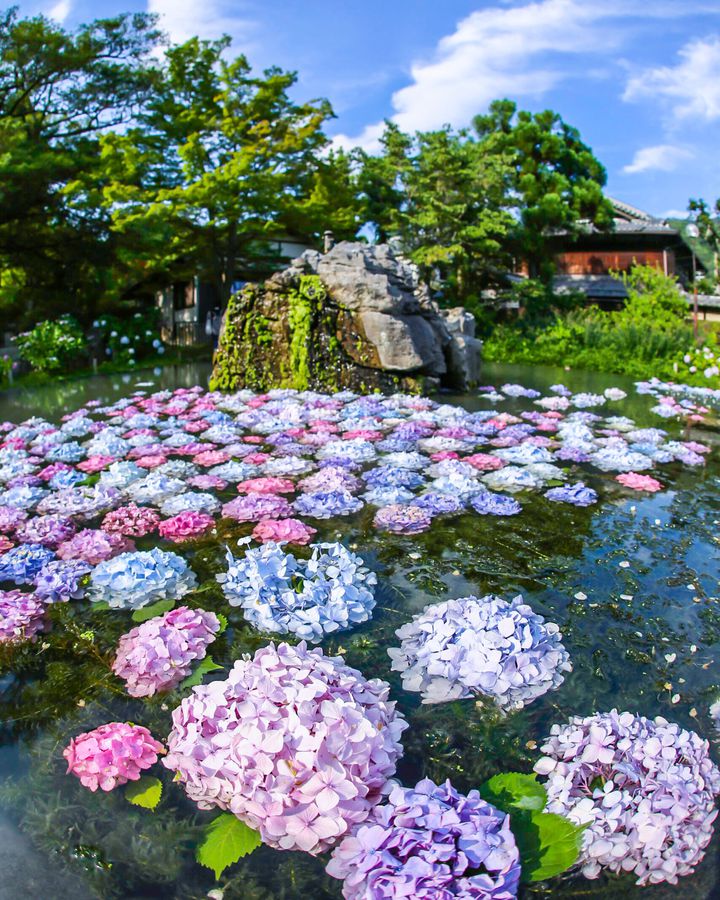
{"x": 146, "y": 792}
{"x": 513, "y": 790}
{"x": 227, "y": 839}
{"x": 548, "y": 844}
{"x": 207, "y": 665}
{"x": 149, "y": 612}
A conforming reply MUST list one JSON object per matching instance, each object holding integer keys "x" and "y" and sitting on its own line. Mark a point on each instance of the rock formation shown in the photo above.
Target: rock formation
{"x": 355, "y": 317}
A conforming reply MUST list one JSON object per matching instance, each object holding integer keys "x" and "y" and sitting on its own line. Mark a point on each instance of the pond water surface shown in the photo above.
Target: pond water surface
{"x": 632, "y": 582}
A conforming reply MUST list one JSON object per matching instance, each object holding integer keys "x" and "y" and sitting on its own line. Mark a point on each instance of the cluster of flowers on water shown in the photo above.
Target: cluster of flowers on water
{"x": 134, "y": 580}
{"x": 489, "y": 646}
{"x": 158, "y": 654}
{"x": 281, "y": 593}
{"x": 429, "y": 841}
{"x": 644, "y": 788}
{"x": 111, "y": 755}
{"x": 22, "y": 616}
{"x": 296, "y": 744}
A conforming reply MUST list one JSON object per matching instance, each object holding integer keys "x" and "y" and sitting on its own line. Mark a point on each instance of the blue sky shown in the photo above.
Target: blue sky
{"x": 641, "y": 80}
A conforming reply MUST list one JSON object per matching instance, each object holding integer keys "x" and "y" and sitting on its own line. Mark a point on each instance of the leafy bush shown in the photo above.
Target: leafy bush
{"x": 6, "y": 367}
{"x": 130, "y": 339}
{"x": 53, "y": 346}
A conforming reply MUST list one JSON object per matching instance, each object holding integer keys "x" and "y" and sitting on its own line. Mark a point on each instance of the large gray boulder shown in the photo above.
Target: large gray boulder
{"x": 375, "y": 326}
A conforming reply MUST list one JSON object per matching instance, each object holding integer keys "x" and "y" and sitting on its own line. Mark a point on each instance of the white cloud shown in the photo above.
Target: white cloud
{"x": 660, "y": 158}
{"x": 60, "y": 11}
{"x": 692, "y": 86}
{"x": 183, "y": 19}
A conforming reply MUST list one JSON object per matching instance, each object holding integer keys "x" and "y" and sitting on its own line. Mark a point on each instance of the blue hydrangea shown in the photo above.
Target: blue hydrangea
{"x": 576, "y": 494}
{"x": 327, "y": 504}
{"x": 488, "y": 503}
{"x": 282, "y": 594}
{"x": 61, "y": 580}
{"x": 133, "y": 580}
{"x": 22, "y": 563}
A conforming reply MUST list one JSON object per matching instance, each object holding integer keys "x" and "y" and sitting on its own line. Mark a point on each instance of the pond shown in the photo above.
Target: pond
{"x": 632, "y": 582}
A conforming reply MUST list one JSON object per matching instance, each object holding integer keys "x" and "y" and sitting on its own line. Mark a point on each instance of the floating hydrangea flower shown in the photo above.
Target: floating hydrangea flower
{"x": 499, "y": 648}
{"x": 62, "y": 580}
{"x": 255, "y": 507}
{"x": 22, "y": 616}
{"x": 93, "y": 545}
{"x": 133, "y": 580}
{"x": 291, "y": 531}
{"x": 297, "y": 745}
{"x": 111, "y": 755}
{"x": 186, "y": 525}
{"x": 645, "y": 789}
{"x": 436, "y": 503}
{"x": 11, "y": 517}
{"x": 429, "y": 842}
{"x": 267, "y": 485}
{"x": 158, "y": 654}
{"x": 639, "y": 482}
{"x": 22, "y": 563}
{"x": 131, "y": 521}
{"x": 47, "y": 530}
{"x": 327, "y": 504}
{"x": 576, "y": 494}
{"x": 308, "y": 598}
{"x": 401, "y": 518}
{"x": 488, "y": 503}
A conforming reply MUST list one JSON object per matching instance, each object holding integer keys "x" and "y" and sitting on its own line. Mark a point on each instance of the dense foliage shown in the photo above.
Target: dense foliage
{"x": 126, "y": 164}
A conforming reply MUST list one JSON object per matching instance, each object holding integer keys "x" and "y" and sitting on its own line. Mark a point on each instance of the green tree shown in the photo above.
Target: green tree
{"x": 554, "y": 182}
{"x": 58, "y": 93}
{"x": 221, "y": 162}
{"x": 708, "y": 224}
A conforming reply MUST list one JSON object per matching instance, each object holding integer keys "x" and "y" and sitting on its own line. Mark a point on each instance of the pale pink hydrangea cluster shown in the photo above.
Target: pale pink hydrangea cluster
{"x": 111, "y": 755}
{"x": 131, "y": 520}
{"x": 186, "y": 525}
{"x": 298, "y": 745}
{"x": 639, "y": 482}
{"x": 645, "y": 789}
{"x": 93, "y": 546}
{"x": 280, "y": 531}
{"x": 159, "y": 654}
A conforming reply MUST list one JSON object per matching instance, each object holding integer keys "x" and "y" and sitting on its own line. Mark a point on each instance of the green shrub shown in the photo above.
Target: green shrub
{"x": 53, "y": 346}
{"x": 127, "y": 340}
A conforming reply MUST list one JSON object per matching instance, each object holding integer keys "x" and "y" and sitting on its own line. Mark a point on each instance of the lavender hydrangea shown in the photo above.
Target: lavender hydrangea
{"x": 576, "y": 494}
{"x": 47, "y": 530}
{"x": 401, "y": 518}
{"x": 429, "y": 842}
{"x": 308, "y": 598}
{"x": 327, "y": 504}
{"x": 296, "y": 744}
{"x": 487, "y": 503}
{"x": 499, "y": 648}
{"x": 22, "y": 616}
{"x": 157, "y": 655}
{"x": 134, "y": 580}
{"x": 62, "y": 580}
{"x": 645, "y": 789}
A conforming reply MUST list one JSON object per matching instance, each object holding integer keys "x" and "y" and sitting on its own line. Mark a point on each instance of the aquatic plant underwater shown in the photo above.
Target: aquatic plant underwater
{"x": 516, "y": 689}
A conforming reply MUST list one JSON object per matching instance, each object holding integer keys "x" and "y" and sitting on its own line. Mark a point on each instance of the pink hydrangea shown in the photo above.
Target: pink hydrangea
{"x": 22, "y": 616}
{"x": 131, "y": 520}
{"x": 186, "y": 525}
{"x": 152, "y": 461}
{"x": 208, "y": 482}
{"x": 280, "y": 530}
{"x": 111, "y": 755}
{"x": 296, "y": 744}
{"x": 639, "y": 482}
{"x": 211, "y": 458}
{"x": 485, "y": 462}
{"x": 95, "y": 464}
{"x": 159, "y": 654}
{"x": 5, "y": 543}
{"x": 93, "y": 546}
{"x": 268, "y": 485}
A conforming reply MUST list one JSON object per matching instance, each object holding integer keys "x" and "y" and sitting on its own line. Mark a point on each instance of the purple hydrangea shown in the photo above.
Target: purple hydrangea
{"x": 499, "y": 648}
{"x": 11, "y": 517}
{"x": 401, "y": 518}
{"x": 22, "y": 616}
{"x": 438, "y": 504}
{"x": 47, "y": 530}
{"x": 430, "y": 842}
{"x": 489, "y": 503}
{"x": 296, "y": 744}
{"x": 576, "y": 494}
{"x": 62, "y": 580}
{"x": 158, "y": 654}
{"x": 255, "y": 507}
{"x": 644, "y": 788}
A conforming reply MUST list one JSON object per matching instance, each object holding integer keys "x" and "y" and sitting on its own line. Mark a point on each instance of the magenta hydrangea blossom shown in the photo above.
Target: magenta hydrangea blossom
{"x": 158, "y": 654}
{"x": 426, "y": 843}
{"x": 296, "y": 744}
{"x": 281, "y": 531}
{"x": 22, "y": 616}
{"x": 111, "y": 755}
{"x": 645, "y": 789}
{"x": 186, "y": 525}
